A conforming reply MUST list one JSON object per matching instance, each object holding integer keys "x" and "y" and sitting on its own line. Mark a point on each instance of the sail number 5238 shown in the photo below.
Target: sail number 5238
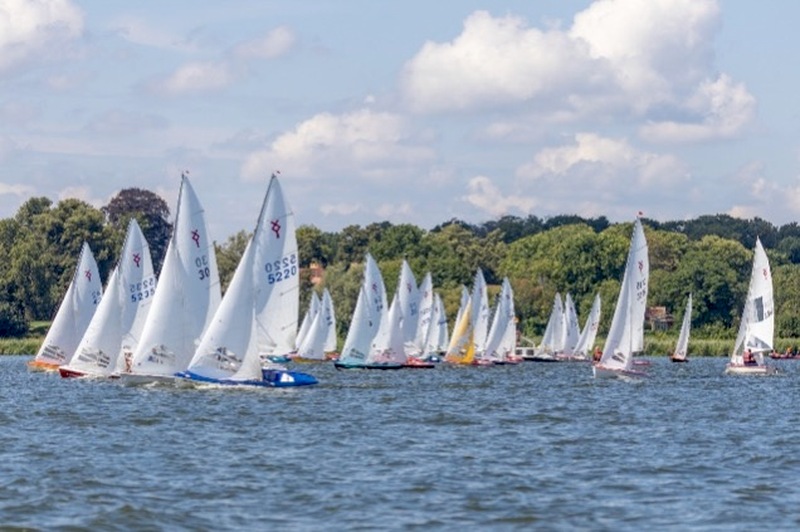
{"x": 281, "y": 269}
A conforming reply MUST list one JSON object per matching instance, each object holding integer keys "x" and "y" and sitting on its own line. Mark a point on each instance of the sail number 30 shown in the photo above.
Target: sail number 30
{"x": 281, "y": 269}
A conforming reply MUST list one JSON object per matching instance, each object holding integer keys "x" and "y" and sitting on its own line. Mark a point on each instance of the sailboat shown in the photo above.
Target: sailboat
{"x": 501, "y": 341}
{"x": 757, "y": 327}
{"x": 571, "y": 331}
{"x": 370, "y": 311}
{"x": 583, "y": 349}
{"x": 409, "y": 300}
{"x": 74, "y": 314}
{"x": 480, "y": 310}
{"x": 250, "y": 320}
{"x": 416, "y": 348}
{"x": 313, "y": 307}
{"x": 317, "y": 341}
{"x": 439, "y": 338}
{"x": 117, "y": 324}
{"x": 553, "y": 334}
{"x": 187, "y": 298}
{"x": 461, "y": 349}
{"x": 627, "y": 330}
{"x": 682, "y": 347}
{"x": 388, "y": 350}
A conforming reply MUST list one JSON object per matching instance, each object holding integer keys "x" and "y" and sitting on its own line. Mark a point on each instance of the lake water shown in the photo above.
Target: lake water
{"x": 534, "y": 446}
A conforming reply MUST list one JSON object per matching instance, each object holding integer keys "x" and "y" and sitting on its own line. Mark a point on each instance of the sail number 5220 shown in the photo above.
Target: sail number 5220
{"x": 281, "y": 269}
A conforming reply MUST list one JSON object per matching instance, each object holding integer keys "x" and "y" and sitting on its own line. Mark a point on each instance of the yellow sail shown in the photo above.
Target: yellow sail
{"x": 462, "y": 344}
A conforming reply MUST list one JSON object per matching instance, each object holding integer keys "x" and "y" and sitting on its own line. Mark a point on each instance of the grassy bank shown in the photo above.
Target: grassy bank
{"x": 28, "y": 345}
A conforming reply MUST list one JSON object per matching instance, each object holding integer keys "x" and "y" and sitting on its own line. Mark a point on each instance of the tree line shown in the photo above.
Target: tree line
{"x": 709, "y": 256}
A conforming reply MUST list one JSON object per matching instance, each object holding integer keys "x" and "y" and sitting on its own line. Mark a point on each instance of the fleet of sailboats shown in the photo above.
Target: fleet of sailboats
{"x": 116, "y": 327}
{"x": 187, "y": 297}
{"x": 258, "y": 313}
{"x": 187, "y": 331}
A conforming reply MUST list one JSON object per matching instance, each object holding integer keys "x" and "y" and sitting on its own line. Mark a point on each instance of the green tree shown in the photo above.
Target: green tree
{"x": 152, "y": 213}
{"x": 228, "y": 256}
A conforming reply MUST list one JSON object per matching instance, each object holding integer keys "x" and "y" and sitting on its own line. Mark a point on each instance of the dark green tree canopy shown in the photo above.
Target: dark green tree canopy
{"x": 152, "y": 213}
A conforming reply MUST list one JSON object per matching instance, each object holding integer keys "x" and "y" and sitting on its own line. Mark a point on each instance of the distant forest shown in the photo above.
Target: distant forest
{"x": 709, "y": 256}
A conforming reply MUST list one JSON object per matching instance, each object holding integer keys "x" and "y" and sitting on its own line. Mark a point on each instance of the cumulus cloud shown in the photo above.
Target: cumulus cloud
{"x": 196, "y": 77}
{"x": 274, "y": 44}
{"x": 36, "y": 31}
{"x": 363, "y": 142}
{"x": 725, "y": 108}
{"x": 495, "y": 61}
{"x": 651, "y": 59}
{"x": 602, "y": 160}
{"x": 486, "y": 196}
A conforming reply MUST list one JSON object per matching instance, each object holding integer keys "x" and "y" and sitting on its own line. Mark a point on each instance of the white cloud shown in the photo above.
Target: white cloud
{"x": 16, "y": 190}
{"x": 197, "y": 77}
{"x": 625, "y": 58}
{"x": 36, "y": 31}
{"x": 485, "y": 195}
{"x": 725, "y": 108}
{"x": 147, "y": 33}
{"x": 495, "y": 61}
{"x": 276, "y": 43}
{"x": 390, "y": 210}
{"x": 654, "y": 48}
{"x": 600, "y": 160}
{"x": 366, "y": 143}
{"x": 340, "y": 209}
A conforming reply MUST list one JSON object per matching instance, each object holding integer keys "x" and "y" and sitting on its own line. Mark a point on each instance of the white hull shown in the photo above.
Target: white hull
{"x": 602, "y": 372}
{"x": 740, "y": 369}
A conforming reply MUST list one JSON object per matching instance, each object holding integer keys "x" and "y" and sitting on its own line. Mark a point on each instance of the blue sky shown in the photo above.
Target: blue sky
{"x": 412, "y": 112}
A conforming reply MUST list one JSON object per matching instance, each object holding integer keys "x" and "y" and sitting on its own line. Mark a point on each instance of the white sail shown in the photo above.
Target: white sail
{"x": 442, "y": 335}
{"x": 277, "y": 282}
{"x": 311, "y": 312}
{"x": 138, "y": 284}
{"x": 329, "y": 316}
{"x": 757, "y": 327}
{"x": 480, "y": 308}
{"x": 589, "y": 332}
{"x": 321, "y": 334}
{"x": 243, "y": 328}
{"x": 571, "y": 332}
{"x": 388, "y": 345}
{"x": 626, "y": 332}
{"x": 74, "y": 314}
{"x": 502, "y": 323}
{"x": 376, "y": 289}
{"x": 553, "y": 332}
{"x": 426, "y": 309}
{"x": 188, "y": 293}
{"x": 682, "y": 346}
{"x": 462, "y": 304}
{"x": 313, "y": 345}
{"x": 98, "y": 349}
{"x": 409, "y": 299}
{"x": 363, "y": 327}
{"x": 508, "y": 342}
{"x": 113, "y": 335}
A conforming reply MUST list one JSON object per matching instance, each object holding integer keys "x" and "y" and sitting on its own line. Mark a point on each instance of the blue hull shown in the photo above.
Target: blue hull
{"x": 272, "y": 378}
